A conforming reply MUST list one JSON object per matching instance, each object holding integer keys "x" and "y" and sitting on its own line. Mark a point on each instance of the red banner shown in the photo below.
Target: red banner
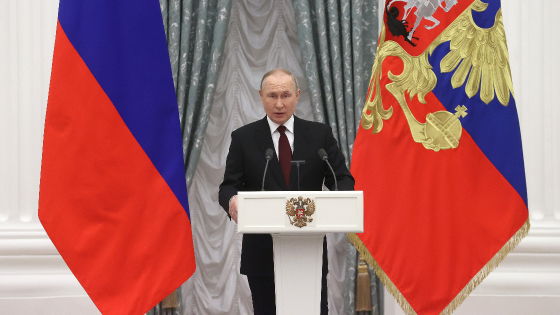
{"x": 438, "y": 153}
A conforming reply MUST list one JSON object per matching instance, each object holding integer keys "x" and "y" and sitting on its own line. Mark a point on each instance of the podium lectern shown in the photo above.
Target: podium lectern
{"x": 298, "y": 221}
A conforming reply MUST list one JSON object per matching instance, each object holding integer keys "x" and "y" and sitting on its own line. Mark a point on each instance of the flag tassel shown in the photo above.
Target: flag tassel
{"x": 389, "y": 286}
{"x": 170, "y": 301}
{"x": 363, "y": 293}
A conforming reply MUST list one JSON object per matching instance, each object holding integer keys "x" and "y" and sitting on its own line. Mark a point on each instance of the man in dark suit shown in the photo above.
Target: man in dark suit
{"x": 291, "y": 138}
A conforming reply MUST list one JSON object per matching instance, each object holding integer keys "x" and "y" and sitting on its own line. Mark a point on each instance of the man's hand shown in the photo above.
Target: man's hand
{"x": 233, "y": 208}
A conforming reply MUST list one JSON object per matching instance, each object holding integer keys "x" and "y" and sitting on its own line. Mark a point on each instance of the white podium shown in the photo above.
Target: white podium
{"x": 298, "y": 221}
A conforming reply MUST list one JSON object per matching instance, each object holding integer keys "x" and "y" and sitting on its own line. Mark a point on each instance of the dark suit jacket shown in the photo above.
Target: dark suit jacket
{"x": 245, "y": 167}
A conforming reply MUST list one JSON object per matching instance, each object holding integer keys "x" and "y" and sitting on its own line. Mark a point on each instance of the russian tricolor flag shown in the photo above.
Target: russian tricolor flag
{"x": 113, "y": 195}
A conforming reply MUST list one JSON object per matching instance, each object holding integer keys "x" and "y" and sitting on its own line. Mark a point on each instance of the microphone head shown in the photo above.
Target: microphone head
{"x": 269, "y": 153}
{"x": 323, "y": 154}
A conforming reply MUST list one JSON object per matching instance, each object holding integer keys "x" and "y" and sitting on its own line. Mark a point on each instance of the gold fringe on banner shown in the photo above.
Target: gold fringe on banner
{"x": 363, "y": 291}
{"x": 357, "y": 242}
{"x": 170, "y": 301}
{"x": 488, "y": 268}
{"x": 475, "y": 281}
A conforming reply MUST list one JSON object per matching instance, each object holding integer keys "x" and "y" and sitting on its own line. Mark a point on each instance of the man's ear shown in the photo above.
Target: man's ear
{"x": 260, "y": 93}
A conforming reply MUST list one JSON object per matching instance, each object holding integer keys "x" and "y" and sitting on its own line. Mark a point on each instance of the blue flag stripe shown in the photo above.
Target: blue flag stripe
{"x": 123, "y": 44}
{"x": 494, "y": 127}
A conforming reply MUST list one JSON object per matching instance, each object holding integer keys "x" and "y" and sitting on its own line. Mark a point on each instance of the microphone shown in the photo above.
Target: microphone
{"x": 268, "y": 155}
{"x": 325, "y": 158}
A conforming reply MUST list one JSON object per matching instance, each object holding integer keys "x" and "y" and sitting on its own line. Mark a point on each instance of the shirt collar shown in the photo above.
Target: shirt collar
{"x": 288, "y": 124}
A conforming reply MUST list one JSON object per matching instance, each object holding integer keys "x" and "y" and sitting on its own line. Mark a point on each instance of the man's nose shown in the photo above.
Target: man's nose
{"x": 279, "y": 103}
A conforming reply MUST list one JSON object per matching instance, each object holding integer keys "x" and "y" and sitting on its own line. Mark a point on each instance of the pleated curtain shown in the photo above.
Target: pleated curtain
{"x": 219, "y": 51}
{"x": 196, "y": 32}
{"x": 338, "y": 41}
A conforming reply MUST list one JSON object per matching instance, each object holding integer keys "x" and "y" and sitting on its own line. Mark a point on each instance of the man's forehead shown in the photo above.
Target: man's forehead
{"x": 279, "y": 82}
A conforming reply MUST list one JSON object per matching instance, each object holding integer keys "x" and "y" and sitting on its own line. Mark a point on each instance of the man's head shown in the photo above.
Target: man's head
{"x": 279, "y": 94}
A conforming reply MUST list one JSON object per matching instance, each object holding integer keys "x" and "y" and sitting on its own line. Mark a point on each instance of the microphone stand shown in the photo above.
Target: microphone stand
{"x": 298, "y": 163}
{"x": 334, "y": 175}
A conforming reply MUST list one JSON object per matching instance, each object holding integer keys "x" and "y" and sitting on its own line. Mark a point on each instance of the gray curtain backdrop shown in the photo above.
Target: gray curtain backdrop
{"x": 338, "y": 41}
{"x": 196, "y": 32}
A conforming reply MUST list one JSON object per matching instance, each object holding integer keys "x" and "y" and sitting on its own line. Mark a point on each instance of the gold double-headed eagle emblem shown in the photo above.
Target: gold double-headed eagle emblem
{"x": 300, "y": 210}
{"x": 477, "y": 53}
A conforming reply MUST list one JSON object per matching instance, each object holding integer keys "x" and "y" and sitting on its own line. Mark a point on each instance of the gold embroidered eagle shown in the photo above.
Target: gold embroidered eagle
{"x": 300, "y": 211}
{"x": 477, "y": 53}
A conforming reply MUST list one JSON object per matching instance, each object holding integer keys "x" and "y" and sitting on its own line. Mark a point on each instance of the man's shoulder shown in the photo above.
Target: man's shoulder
{"x": 255, "y": 125}
{"x": 314, "y": 125}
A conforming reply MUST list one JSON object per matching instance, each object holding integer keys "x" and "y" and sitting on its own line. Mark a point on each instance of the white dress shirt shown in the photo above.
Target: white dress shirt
{"x": 276, "y": 134}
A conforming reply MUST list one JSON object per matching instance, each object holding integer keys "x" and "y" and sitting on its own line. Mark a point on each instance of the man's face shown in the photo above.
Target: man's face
{"x": 279, "y": 97}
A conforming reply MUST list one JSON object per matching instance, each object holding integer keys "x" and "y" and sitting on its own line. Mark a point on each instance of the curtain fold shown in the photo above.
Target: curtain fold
{"x": 261, "y": 36}
{"x": 338, "y": 41}
{"x": 196, "y": 32}
{"x": 216, "y": 96}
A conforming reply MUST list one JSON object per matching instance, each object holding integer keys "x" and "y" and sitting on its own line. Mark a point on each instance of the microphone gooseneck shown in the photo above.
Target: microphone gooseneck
{"x": 268, "y": 155}
{"x": 325, "y": 157}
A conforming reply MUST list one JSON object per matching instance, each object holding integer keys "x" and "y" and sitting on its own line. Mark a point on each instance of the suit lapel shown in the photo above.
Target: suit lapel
{"x": 264, "y": 142}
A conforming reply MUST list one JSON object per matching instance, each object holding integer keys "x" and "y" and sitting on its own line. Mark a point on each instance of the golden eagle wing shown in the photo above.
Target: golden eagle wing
{"x": 480, "y": 52}
{"x": 417, "y": 78}
{"x": 290, "y": 209}
{"x": 310, "y": 209}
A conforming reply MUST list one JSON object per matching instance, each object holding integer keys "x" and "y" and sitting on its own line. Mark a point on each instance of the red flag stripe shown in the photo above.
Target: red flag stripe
{"x": 122, "y": 248}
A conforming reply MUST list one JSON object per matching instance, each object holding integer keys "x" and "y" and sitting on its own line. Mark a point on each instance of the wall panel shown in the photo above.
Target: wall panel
{"x": 33, "y": 277}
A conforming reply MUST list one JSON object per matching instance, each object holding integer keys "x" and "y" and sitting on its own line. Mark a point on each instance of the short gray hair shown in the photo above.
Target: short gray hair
{"x": 281, "y": 70}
